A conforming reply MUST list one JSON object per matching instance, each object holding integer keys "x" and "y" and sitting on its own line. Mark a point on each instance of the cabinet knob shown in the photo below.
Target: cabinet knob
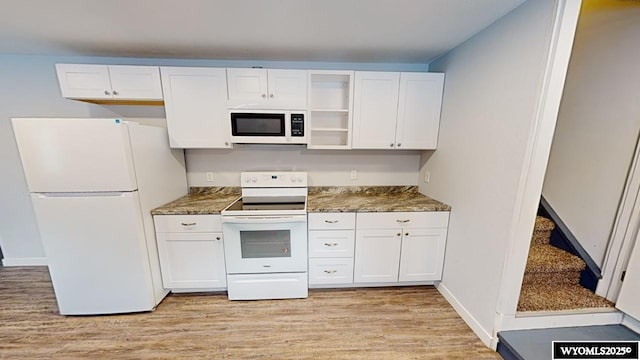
{"x": 391, "y": 145}
{"x": 226, "y": 143}
{"x": 399, "y": 234}
{"x": 271, "y": 96}
{"x": 264, "y": 95}
{"x": 217, "y": 237}
{"x": 406, "y": 234}
{"x": 106, "y": 92}
{"x": 115, "y": 92}
{"x": 399, "y": 144}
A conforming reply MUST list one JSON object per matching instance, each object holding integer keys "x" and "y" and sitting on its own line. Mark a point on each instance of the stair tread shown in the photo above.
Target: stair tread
{"x": 544, "y": 224}
{"x": 565, "y": 297}
{"x": 545, "y": 258}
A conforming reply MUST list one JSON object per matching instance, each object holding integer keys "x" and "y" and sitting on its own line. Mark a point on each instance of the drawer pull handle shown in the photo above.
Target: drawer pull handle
{"x": 330, "y": 244}
{"x": 330, "y": 271}
{"x": 217, "y": 237}
{"x": 188, "y": 224}
{"x": 331, "y": 221}
{"x": 403, "y": 221}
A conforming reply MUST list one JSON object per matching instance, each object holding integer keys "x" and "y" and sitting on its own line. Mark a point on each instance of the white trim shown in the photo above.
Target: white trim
{"x": 32, "y": 261}
{"x": 631, "y": 323}
{"x": 507, "y": 322}
{"x": 537, "y": 156}
{"x": 482, "y": 333}
{"x": 623, "y": 236}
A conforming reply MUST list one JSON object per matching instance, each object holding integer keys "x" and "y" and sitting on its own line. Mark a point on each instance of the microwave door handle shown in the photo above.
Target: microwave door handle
{"x": 263, "y": 219}
{"x": 287, "y": 126}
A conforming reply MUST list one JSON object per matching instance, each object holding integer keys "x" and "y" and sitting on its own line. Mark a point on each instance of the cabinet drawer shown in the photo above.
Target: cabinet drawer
{"x": 405, "y": 220}
{"x": 185, "y": 236}
{"x": 321, "y": 221}
{"x": 187, "y": 223}
{"x": 330, "y": 271}
{"x": 331, "y": 243}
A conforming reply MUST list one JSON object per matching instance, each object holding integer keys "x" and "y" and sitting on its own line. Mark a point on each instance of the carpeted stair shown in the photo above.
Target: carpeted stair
{"x": 552, "y": 276}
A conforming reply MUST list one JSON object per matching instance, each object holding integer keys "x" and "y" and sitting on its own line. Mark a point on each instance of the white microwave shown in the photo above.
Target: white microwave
{"x": 268, "y": 126}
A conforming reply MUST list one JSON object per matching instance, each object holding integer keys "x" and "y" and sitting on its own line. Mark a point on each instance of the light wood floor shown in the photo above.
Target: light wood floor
{"x": 383, "y": 323}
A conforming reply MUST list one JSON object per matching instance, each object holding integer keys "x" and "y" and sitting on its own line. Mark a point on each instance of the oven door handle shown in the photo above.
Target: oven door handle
{"x": 263, "y": 219}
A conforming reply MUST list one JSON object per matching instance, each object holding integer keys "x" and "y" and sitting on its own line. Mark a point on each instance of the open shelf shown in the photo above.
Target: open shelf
{"x": 330, "y": 102}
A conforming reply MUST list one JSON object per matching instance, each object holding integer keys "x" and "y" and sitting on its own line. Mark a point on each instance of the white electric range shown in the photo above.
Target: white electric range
{"x": 265, "y": 237}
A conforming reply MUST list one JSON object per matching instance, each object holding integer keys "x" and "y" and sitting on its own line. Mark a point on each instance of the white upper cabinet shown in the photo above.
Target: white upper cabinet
{"x": 419, "y": 104}
{"x": 396, "y": 110}
{"x": 109, "y": 82}
{"x": 196, "y": 107}
{"x": 267, "y": 88}
{"x": 375, "y": 109}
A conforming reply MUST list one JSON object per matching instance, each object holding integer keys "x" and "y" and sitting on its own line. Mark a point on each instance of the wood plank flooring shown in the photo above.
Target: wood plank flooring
{"x": 382, "y": 323}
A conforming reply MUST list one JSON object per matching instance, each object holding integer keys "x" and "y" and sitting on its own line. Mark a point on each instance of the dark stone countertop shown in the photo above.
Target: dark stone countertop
{"x": 370, "y": 199}
{"x": 212, "y": 200}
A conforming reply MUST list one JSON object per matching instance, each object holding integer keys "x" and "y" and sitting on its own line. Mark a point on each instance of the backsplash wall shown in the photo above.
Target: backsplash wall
{"x": 325, "y": 167}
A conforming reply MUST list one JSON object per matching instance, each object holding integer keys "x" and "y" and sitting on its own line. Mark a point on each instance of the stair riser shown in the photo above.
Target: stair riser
{"x": 552, "y": 279}
{"x": 540, "y": 237}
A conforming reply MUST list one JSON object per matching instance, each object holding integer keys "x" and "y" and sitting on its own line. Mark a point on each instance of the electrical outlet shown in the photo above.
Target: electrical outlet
{"x": 209, "y": 176}
{"x": 354, "y": 174}
{"x": 427, "y": 176}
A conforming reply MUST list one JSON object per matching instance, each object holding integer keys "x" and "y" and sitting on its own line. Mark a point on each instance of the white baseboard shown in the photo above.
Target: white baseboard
{"x": 480, "y": 331}
{"x": 549, "y": 320}
{"x": 631, "y": 323}
{"x": 32, "y": 261}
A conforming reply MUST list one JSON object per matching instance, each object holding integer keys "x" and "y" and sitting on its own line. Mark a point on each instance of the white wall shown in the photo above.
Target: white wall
{"x": 598, "y": 124}
{"x": 30, "y": 89}
{"x": 492, "y": 90}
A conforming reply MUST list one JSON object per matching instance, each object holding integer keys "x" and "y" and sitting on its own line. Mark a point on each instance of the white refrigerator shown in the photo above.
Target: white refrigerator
{"x": 93, "y": 183}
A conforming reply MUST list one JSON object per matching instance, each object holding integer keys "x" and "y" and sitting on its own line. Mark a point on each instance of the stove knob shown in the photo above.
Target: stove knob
{"x": 300, "y": 178}
{"x": 293, "y": 179}
{"x": 254, "y": 179}
{"x": 247, "y": 180}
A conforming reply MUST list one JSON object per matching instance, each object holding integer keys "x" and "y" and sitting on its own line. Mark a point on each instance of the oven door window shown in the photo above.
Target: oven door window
{"x": 252, "y": 124}
{"x": 265, "y": 244}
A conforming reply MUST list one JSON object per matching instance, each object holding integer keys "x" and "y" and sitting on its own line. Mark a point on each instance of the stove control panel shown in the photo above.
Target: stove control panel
{"x": 273, "y": 179}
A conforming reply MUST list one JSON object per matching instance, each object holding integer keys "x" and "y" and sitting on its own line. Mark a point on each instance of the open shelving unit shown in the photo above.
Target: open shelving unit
{"x": 330, "y": 103}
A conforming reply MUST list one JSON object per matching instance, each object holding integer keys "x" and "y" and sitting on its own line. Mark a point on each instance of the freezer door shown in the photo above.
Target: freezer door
{"x": 96, "y": 251}
{"x": 75, "y": 155}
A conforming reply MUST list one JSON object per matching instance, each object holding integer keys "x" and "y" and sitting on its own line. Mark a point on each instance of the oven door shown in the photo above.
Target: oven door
{"x": 265, "y": 244}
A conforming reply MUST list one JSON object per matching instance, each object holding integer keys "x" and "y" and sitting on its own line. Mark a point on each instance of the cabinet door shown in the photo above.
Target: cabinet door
{"x": 135, "y": 82}
{"x": 630, "y": 291}
{"x": 375, "y": 109}
{"x": 247, "y": 84}
{"x": 192, "y": 260}
{"x": 288, "y": 89}
{"x": 419, "y": 104}
{"x": 196, "y": 109}
{"x": 84, "y": 81}
{"x": 422, "y": 254}
{"x": 377, "y": 255}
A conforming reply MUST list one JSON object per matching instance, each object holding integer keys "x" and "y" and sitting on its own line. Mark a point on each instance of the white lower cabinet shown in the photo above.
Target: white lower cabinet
{"x": 331, "y": 242}
{"x": 400, "y": 247}
{"x": 192, "y": 253}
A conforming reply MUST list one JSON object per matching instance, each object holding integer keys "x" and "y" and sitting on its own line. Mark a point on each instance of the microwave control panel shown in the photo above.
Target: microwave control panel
{"x": 297, "y": 125}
